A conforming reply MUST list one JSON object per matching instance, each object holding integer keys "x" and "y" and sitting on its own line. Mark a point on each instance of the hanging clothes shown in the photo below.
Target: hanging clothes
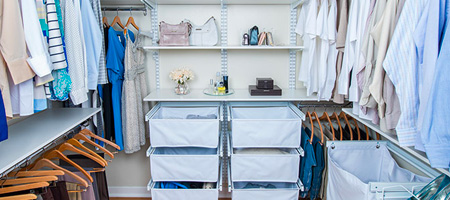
{"x": 39, "y": 59}
{"x": 42, "y": 15}
{"x": 102, "y": 74}
{"x": 436, "y": 141}
{"x": 60, "y": 87}
{"x": 75, "y": 51}
{"x": 114, "y": 64}
{"x": 327, "y": 88}
{"x": 22, "y": 97}
{"x": 342, "y": 23}
{"x": 307, "y": 162}
{"x": 427, "y": 38}
{"x": 12, "y": 43}
{"x": 105, "y": 91}
{"x": 317, "y": 170}
{"x": 400, "y": 65}
{"x": 134, "y": 90}
{"x": 39, "y": 99}
{"x": 93, "y": 43}
{"x": 3, "y": 122}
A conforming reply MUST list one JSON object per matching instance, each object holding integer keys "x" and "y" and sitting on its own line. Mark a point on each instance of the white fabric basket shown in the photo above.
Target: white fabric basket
{"x": 278, "y": 127}
{"x": 265, "y": 167}
{"x": 170, "y": 128}
{"x": 183, "y": 194}
{"x": 284, "y": 191}
{"x": 352, "y": 165}
{"x": 185, "y": 164}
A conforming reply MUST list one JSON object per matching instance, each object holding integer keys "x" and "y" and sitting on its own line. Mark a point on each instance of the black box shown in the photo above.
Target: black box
{"x": 276, "y": 91}
{"x": 264, "y": 83}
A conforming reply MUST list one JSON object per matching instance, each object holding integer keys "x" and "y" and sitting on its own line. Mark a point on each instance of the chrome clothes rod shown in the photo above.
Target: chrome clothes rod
{"x": 125, "y": 8}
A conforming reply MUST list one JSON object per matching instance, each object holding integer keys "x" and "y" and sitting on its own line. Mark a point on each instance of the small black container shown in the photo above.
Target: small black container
{"x": 225, "y": 83}
{"x": 264, "y": 83}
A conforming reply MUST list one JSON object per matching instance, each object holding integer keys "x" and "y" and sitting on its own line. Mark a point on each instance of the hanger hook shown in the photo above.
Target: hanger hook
{"x": 117, "y": 12}
{"x": 131, "y": 14}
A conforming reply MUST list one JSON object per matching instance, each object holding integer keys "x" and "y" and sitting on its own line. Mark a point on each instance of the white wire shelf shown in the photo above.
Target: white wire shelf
{"x": 297, "y": 48}
{"x": 30, "y": 135}
{"x": 239, "y": 95}
{"x": 391, "y": 136}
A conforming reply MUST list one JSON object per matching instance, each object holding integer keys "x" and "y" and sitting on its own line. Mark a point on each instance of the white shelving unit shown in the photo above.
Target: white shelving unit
{"x": 239, "y": 95}
{"x": 32, "y": 134}
{"x": 391, "y": 136}
{"x": 297, "y": 48}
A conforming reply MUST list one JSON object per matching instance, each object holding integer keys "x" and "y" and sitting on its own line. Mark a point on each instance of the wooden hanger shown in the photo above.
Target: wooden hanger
{"x": 37, "y": 173}
{"x": 68, "y": 147}
{"x": 80, "y": 136}
{"x": 59, "y": 155}
{"x": 335, "y": 115}
{"x": 105, "y": 22}
{"x": 325, "y": 116}
{"x": 76, "y": 143}
{"x": 316, "y": 116}
{"x": 131, "y": 21}
{"x": 355, "y": 123}
{"x": 342, "y": 115}
{"x": 20, "y": 197}
{"x": 24, "y": 187}
{"x": 308, "y": 115}
{"x": 18, "y": 181}
{"x": 117, "y": 21}
{"x": 89, "y": 133}
{"x": 43, "y": 162}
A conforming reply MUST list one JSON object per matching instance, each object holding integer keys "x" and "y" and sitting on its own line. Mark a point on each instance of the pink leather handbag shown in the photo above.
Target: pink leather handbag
{"x": 174, "y": 34}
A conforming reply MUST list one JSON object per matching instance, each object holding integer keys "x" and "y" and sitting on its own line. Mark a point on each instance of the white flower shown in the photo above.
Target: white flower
{"x": 181, "y": 75}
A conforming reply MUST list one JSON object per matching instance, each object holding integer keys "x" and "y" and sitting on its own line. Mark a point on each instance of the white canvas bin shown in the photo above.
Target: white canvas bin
{"x": 265, "y": 167}
{"x": 283, "y": 191}
{"x": 170, "y": 128}
{"x": 266, "y": 126}
{"x": 352, "y": 165}
{"x": 184, "y": 164}
{"x": 182, "y": 194}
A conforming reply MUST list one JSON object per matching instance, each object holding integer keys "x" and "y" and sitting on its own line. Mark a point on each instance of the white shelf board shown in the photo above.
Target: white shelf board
{"x": 30, "y": 135}
{"x": 223, "y": 47}
{"x": 239, "y": 95}
{"x": 391, "y": 136}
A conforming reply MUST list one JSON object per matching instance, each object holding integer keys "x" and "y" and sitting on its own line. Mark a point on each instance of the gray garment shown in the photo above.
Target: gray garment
{"x": 393, "y": 111}
{"x": 133, "y": 92}
{"x": 74, "y": 48}
{"x": 102, "y": 74}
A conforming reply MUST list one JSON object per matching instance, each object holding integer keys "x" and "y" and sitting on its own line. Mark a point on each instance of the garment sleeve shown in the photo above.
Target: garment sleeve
{"x": 12, "y": 42}
{"x": 40, "y": 58}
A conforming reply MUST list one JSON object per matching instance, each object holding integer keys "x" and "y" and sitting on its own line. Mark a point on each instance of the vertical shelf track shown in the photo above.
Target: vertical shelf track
{"x": 224, "y": 36}
{"x": 155, "y": 31}
{"x": 225, "y": 132}
{"x": 292, "y": 53}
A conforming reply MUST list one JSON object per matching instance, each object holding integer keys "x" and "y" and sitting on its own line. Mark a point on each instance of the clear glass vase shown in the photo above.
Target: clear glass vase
{"x": 182, "y": 89}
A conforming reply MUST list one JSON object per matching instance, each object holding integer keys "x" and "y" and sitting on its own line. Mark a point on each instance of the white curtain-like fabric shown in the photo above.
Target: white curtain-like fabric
{"x": 352, "y": 166}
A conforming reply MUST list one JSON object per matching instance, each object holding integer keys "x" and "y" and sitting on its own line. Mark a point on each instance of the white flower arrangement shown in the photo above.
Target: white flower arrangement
{"x": 181, "y": 75}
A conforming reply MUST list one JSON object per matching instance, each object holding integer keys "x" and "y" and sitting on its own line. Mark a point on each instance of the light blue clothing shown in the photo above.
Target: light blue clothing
{"x": 436, "y": 137}
{"x": 427, "y": 37}
{"x": 401, "y": 67}
{"x": 115, "y": 66}
{"x": 93, "y": 40}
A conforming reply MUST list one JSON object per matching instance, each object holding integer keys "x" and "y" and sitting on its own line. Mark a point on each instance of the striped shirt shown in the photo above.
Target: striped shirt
{"x": 55, "y": 43}
{"x": 401, "y": 67}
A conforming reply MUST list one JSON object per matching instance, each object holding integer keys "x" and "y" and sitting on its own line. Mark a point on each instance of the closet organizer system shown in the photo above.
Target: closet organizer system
{"x": 242, "y": 123}
{"x": 53, "y": 134}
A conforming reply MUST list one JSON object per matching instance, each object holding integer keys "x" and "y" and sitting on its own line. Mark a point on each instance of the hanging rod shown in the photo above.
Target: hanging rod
{"x": 125, "y": 8}
{"x": 26, "y": 161}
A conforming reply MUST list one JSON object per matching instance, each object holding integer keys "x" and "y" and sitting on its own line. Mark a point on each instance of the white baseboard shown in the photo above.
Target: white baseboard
{"x": 129, "y": 192}
{"x": 142, "y": 192}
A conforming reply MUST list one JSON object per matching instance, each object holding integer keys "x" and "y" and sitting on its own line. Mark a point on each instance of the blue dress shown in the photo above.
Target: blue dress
{"x": 115, "y": 66}
{"x": 3, "y": 123}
